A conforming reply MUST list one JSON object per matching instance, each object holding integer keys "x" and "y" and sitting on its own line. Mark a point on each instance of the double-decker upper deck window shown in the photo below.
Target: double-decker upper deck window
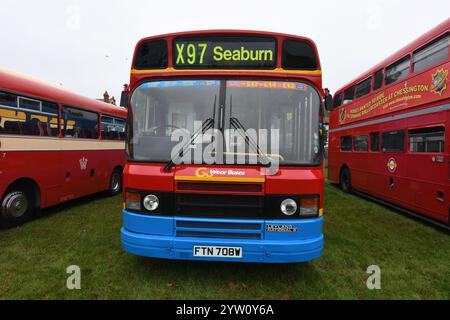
{"x": 349, "y": 95}
{"x": 363, "y": 88}
{"x": 397, "y": 71}
{"x": 393, "y": 141}
{"x": 432, "y": 53}
{"x": 346, "y": 143}
{"x": 152, "y": 55}
{"x": 298, "y": 55}
{"x": 361, "y": 143}
{"x": 378, "y": 80}
{"x": 337, "y": 100}
{"x": 427, "y": 140}
{"x": 77, "y": 123}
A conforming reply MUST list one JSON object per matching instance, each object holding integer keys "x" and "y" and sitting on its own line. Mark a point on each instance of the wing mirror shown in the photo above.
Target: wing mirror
{"x": 328, "y": 100}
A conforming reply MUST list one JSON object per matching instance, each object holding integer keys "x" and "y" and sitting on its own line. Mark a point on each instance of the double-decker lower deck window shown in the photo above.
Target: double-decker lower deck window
{"x": 427, "y": 140}
{"x": 375, "y": 141}
{"x": 393, "y": 141}
{"x": 77, "y": 123}
{"x": 361, "y": 143}
{"x": 29, "y": 117}
{"x": 346, "y": 143}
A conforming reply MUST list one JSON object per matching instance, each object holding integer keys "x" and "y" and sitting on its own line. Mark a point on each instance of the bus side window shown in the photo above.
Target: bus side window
{"x": 361, "y": 143}
{"x": 397, "y": 71}
{"x": 427, "y": 140}
{"x": 29, "y": 117}
{"x": 349, "y": 95}
{"x": 363, "y": 88}
{"x": 375, "y": 142}
{"x": 378, "y": 80}
{"x": 80, "y": 124}
{"x": 393, "y": 141}
{"x": 113, "y": 128}
{"x": 346, "y": 143}
{"x": 337, "y": 101}
{"x": 431, "y": 54}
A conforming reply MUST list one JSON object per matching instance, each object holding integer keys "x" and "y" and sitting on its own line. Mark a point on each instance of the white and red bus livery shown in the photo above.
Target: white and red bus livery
{"x": 55, "y": 146}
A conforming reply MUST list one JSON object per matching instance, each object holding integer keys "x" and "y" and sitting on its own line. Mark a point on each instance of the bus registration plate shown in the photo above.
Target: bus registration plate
{"x": 218, "y": 252}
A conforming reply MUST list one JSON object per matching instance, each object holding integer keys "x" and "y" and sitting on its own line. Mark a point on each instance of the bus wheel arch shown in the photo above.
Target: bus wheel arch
{"x": 345, "y": 179}
{"x": 20, "y": 201}
{"x": 116, "y": 181}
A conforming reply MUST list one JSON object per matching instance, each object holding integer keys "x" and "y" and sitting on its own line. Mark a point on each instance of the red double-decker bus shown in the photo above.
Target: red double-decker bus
{"x": 55, "y": 146}
{"x": 388, "y": 129}
{"x": 227, "y": 210}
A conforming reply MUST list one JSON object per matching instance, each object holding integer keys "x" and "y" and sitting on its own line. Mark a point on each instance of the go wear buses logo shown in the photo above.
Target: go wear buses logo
{"x": 439, "y": 81}
{"x": 202, "y": 173}
{"x": 392, "y": 165}
{"x": 205, "y": 173}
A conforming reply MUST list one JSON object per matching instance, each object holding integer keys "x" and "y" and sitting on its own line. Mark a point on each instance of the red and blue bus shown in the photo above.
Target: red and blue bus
{"x": 388, "y": 129}
{"x": 55, "y": 146}
{"x": 225, "y": 210}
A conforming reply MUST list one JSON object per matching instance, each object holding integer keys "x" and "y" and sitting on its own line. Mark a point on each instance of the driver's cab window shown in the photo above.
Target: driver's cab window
{"x": 161, "y": 108}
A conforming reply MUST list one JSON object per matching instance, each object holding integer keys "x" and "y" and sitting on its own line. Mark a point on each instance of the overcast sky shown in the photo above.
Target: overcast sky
{"x": 87, "y": 45}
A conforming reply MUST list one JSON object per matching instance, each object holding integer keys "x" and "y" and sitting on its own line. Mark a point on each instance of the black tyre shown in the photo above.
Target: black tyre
{"x": 115, "y": 183}
{"x": 345, "y": 181}
{"x": 16, "y": 207}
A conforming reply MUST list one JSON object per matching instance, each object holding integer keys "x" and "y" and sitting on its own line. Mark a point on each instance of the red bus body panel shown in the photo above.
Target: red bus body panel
{"x": 416, "y": 181}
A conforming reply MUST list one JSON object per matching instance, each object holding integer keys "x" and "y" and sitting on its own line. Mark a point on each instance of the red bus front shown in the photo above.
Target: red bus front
{"x": 224, "y": 165}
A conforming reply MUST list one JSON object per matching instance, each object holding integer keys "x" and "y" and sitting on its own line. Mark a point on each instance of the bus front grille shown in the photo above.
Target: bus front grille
{"x": 218, "y": 230}
{"x": 220, "y": 206}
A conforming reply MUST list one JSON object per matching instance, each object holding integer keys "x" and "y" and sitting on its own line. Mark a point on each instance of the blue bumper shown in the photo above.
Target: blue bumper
{"x": 176, "y": 237}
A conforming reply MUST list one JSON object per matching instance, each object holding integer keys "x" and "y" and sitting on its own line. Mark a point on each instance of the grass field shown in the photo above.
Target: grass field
{"x": 414, "y": 259}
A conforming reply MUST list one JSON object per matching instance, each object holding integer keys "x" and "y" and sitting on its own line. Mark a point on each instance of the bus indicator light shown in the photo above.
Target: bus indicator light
{"x": 133, "y": 201}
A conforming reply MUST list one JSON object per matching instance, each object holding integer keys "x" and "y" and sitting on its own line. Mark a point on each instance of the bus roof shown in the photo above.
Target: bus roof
{"x": 416, "y": 44}
{"x": 227, "y": 32}
{"x": 21, "y": 83}
{"x": 313, "y": 75}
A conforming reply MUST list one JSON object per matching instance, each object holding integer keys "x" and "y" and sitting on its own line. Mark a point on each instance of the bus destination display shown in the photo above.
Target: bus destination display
{"x": 224, "y": 53}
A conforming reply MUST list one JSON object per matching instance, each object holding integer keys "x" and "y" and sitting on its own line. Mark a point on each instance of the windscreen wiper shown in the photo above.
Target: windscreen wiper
{"x": 239, "y": 126}
{"x": 206, "y": 124}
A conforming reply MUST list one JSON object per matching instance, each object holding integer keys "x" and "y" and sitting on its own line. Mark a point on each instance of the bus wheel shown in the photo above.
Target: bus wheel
{"x": 345, "y": 181}
{"x": 16, "y": 208}
{"x": 115, "y": 184}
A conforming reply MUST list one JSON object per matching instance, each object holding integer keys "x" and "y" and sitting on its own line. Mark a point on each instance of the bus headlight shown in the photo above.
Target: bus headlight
{"x": 132, "y": 201}
{"x": 309, "y": 206}
{"x": 288, "y": 207}
{"x": 151, "y": 202}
